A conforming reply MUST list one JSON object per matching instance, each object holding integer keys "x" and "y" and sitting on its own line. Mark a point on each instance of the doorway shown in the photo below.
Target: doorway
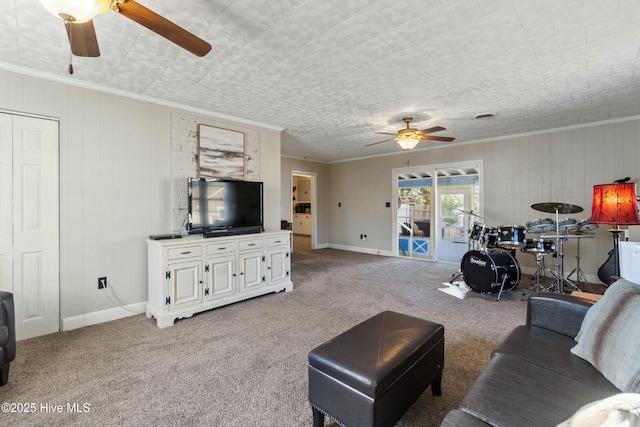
{"x": 436, "y": 205}
{"x": 303, "y": 210}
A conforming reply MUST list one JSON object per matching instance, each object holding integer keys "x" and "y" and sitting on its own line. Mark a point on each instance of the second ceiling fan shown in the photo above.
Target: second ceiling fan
{"x": 409, "y": 137}
{"x": 78, "y": 18}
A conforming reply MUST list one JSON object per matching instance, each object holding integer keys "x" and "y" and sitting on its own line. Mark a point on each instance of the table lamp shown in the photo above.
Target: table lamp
{"x": 615, "y": 204}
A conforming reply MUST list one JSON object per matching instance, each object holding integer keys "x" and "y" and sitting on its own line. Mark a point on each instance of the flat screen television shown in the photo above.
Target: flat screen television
{"x": 220, "y": 207}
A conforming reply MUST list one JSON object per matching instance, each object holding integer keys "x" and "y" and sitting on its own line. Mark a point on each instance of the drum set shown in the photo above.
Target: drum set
{"x": 490, "y": 264}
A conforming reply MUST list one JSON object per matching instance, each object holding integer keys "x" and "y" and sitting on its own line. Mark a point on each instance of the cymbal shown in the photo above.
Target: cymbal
{"x": 472, "y": 213}
{"x": 551, "y": 207}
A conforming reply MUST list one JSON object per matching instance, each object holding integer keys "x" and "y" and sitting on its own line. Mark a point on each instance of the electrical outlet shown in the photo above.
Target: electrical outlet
{"x": 102, "y": 282}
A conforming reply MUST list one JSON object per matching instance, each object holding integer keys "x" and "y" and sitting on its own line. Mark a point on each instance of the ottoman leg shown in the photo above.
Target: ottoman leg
{"x": 318, "y": 418}
{"x": 436, "y": 384}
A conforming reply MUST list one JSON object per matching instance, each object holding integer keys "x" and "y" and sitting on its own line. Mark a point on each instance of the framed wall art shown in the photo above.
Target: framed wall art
{"x": 220, "y": 153}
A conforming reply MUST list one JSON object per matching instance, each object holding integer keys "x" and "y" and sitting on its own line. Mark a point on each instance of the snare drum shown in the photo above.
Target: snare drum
{"x": 540, "y": 225}
{"x": 539, "y": 246}
{"x": 511, "y": 236}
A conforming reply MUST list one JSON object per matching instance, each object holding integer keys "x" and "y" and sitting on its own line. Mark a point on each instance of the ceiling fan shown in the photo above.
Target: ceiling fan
{"x": 78, "y": 19}
{"x": 408, "y": 138}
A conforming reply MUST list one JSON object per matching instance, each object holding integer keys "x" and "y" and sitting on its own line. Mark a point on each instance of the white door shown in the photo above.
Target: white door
{"x": 6, "y": 191}
{"x": 34, "y": 230}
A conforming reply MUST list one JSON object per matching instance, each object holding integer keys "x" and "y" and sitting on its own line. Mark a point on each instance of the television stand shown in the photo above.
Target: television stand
{"x": 191, "y": 275}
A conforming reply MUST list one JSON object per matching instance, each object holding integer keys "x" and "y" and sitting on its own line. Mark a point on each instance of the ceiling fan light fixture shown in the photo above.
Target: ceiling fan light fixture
{"x": 76, "y": 11}
{"x": 408, "y": 141}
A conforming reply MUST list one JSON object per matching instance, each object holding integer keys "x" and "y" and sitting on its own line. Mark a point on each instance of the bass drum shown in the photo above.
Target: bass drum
{"x": 483, "y": 271}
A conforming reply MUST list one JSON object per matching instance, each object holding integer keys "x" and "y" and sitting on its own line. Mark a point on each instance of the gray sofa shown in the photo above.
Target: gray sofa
{"x": 7, "y": 335}
{"x": 533, "y": 379}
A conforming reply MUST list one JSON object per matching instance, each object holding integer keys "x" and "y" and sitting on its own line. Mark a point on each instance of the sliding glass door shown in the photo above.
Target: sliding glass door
{"x": 436, "y": 209}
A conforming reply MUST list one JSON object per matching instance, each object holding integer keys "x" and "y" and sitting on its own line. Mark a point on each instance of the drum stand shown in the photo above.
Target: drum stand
{"x": 504, "y": 279}
{"x": 560, "y": 279}
{"x": 455, "y": 276}
{"x": 580, "y": 276}
{"x": 540, "y": 272}
{"x": 558, "y": 208}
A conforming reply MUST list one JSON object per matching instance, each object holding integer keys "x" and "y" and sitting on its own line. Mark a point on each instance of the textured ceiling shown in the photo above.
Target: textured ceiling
{"x": 333, "y": 72}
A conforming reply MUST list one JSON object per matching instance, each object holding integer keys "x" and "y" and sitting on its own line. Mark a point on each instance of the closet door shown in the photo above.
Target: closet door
{"x": 6, "y": 191}
{"x": 34, "y": 230}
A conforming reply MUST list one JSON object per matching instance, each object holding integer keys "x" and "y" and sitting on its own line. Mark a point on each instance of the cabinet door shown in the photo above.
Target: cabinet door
{"x": 306, "y": 225}
{"x": 220, "y": 277}
{"x": 297, "y": 225}
{"x": 251, "y": 276}
{"x": 278, "y": 265}
{"x": 185, "y": 280}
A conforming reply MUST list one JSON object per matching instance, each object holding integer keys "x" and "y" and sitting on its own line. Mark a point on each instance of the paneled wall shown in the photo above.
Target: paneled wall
{"x": 116, "y": 180}
{"x": 557, "y": 166}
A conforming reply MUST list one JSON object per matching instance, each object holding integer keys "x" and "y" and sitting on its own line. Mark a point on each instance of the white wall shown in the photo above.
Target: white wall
{"x": 116, "y": 176}
{"x": 558, "y": 166}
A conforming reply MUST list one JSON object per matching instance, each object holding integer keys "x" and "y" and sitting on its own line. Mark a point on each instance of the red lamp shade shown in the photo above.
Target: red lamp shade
{"x": 615, "y": 204}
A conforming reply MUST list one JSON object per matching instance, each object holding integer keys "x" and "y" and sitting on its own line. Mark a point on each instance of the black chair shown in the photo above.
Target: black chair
{"x": 7, "y": 335}
{"x": 425, "y": 226}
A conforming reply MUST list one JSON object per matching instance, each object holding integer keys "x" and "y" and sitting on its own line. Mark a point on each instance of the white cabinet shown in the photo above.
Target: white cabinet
{"x": 193, "y": 274}
{"x": 302, "y": 224}
{"x": 278, "y": 260}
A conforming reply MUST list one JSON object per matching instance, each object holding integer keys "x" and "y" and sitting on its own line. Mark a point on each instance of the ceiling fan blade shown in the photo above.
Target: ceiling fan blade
{"x": 380, "y": 142}
{"x": 433, "y": 129}
{"x": 385, "y": 133}
{"x": 437, "y": 138}
{"x": 162, "y": 26}
{"x": 83, "y": 39}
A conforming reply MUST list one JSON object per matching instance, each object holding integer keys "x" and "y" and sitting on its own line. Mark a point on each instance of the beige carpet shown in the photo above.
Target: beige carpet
{"x": 246, "y": 364}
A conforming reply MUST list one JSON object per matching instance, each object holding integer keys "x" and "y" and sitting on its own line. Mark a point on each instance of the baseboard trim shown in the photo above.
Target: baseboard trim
{"x": 102, "y": 316}
{"x": 360, "y": 249}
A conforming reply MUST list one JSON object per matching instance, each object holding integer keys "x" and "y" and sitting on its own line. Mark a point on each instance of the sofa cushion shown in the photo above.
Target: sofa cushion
{"x": 620, "y": 410}
{"x": 552, "y": 351}
{"x": 4, "y": 335}
{"x": 511, "y": 392}
{"x": 609, "y": 337}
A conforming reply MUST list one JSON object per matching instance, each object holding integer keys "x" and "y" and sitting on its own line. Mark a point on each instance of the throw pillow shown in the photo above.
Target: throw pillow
{"x": 609, "y": 337}
{"x": 615, "y": 411}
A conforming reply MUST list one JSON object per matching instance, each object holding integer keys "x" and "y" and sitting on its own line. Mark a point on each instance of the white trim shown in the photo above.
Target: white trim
{"x": 314, "y": 203}
{"x": 359, "y": 249}
{"x": 33, "y": 116}
{"x": 306, "y": 159}
{"x": 93, "y": 86}
{"x": 102, "y": 316}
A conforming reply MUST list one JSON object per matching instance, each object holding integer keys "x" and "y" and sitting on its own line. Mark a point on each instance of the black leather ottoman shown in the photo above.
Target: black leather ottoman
{"x": 371, "y": 374}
